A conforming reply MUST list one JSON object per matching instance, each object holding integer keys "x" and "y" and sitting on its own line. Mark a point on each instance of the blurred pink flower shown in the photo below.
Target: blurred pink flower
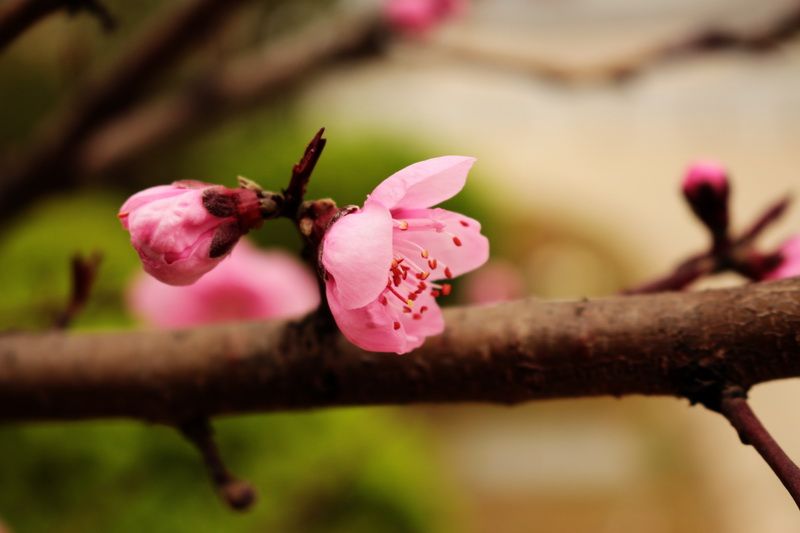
{"x": 419, "y": 16}
{"x": 496, "y": 281}
{"x": 381, "y": 261}
{"x": 789, "y": 265}
{"x": 250, "y": 284}
{"x": 183, "y": 230}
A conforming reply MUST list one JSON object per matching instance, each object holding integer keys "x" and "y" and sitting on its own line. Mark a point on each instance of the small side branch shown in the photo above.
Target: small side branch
{"x": 239, "y": 495}
{"x": 84, "y": 273}
{"x": 301, "y": 173}
{"x": 735, "y": 408}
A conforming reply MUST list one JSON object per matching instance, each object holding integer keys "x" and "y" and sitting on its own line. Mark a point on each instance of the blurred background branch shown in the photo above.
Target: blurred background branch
{"x": 712, "y": 39}
{"x": 16, "y": 16}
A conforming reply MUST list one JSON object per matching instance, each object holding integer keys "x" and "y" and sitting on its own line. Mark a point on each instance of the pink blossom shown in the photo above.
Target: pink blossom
{"x": 249, "y": 284}
{"x": 183, "y": 230}
{"x": 419, "y": 16}
{"x": 496, "y": 281}
{"x": 789, "y": 265}
{"x": 382, "y": 261}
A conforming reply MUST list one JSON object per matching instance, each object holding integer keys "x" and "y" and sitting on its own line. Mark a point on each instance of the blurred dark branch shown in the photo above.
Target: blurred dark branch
{"x": 735, "y": 408}
{"x": 711, "y": 39}
{"x": 16, "y": 16}
{"x": 677, "y": 344}
{"x": 239, "y": 495}
{"x": 231, "y": 88}
{"x": 49, "y": 165}
{"x": 83, "y": 275}
{"x": 771, "y": 215}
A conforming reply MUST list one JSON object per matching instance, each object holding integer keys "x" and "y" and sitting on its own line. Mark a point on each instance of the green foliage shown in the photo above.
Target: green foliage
{"x": 344, "y": 471}
{"x": 36, "y": 252}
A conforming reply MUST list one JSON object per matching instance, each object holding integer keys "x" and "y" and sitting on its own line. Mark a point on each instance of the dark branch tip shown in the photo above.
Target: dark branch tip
{"x": 238, "y": 494}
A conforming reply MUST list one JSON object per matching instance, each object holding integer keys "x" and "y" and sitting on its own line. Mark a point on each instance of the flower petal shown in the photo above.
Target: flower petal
{"x": 145, "y": 197}
{"x": 357, "y": 252}
{"x": 430, "y": 321}
{"x": 471, "y": 252}
{"x": 369, "y": 327}
{"x": 423, "y": 184}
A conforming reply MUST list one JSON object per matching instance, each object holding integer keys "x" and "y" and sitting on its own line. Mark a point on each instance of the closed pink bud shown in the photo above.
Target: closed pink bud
{"x": 706, "y": 188}
{"x": 183, "y": 230}
{"x": 701, "y": 174}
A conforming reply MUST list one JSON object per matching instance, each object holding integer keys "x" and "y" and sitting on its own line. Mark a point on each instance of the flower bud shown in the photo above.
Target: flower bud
{"x": 183, "y": 230}
{"x": 705, "y": 187}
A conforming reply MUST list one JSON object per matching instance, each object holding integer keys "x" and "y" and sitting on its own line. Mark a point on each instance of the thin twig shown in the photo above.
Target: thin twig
{"x": 684, "y": 275}
{"x": 735, "y": 408}
{"x": 83, "y": 275}
{"x": 770, "y": 215}
{"x": 16, "y": 16}
{"x": 301, "y": 173}
{"x": 238, "y": 494}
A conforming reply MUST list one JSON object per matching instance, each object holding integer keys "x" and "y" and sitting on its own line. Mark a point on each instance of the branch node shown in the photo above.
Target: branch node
{"x": 238, "y": 494}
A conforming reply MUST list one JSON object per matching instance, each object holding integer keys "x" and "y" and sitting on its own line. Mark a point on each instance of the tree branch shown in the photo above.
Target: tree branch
{"x": 16, "y": 16}
{"x": 678, "y": 344}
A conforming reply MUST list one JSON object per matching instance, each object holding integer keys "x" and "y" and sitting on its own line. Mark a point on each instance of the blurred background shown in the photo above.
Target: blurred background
{"x": 583, "y": 116}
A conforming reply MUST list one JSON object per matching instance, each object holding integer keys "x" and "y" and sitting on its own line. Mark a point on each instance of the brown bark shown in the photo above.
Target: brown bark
{"x": 680, "y": 344}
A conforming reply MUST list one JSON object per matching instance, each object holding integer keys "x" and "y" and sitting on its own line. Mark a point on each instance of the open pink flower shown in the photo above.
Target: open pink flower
{"x": 789, "y": 265}
{"x": 382, "y": 261}
{"x": 419, "y": 16}
{"x": 183, "y": 230}
{"x": 249, "y": 284}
